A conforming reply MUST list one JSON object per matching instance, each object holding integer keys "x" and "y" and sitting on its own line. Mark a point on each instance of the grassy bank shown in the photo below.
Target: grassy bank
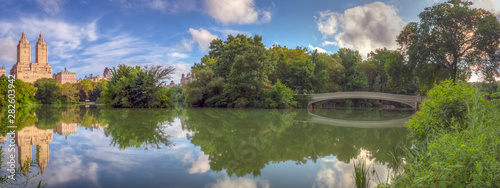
{"x": 456, "y": 141}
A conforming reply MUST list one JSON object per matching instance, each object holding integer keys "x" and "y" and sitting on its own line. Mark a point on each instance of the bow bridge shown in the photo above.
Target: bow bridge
{"x": 412, "y": 101}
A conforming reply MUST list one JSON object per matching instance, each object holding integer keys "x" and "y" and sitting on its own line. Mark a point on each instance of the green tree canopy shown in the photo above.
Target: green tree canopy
{"x": 138, "y": 87}
{"x": 48, "y": 91}
{"x": 448, "y": 40}
{"x": 353, "y": 79}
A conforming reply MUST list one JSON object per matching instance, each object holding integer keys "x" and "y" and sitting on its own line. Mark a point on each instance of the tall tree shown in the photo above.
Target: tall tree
{"x": 249, "y": 73}
{"x": 448, "y": 40}
{"x": 353, "y": 79}
{"x": 85, "y": 87}
{"x": 70, "y": 92}
{"x": 48, "y": 91}
{"x": 284, "y": 57}
{"x": 137, "y": 87}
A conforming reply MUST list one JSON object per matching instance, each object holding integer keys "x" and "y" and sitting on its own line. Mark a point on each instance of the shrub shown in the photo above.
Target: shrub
{"x": 278, "y": 96}
{"x": 446, "y": 105}
{"x": 461, "y": 146}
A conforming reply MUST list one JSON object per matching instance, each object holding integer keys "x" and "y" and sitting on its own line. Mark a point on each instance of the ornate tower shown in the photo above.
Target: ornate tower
{"x": 107, "y": 74}
{"x": 24, "y": 50}
{"x": 41, "y": 51}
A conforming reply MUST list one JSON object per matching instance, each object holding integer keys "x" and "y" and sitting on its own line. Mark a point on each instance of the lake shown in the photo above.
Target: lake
{"x": 75, "y": 146}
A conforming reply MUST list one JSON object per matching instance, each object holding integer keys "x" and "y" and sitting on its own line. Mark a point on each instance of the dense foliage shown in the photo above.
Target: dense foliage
{"x": 445, "y": 109}
{"x": 456, "y": 141}
{"x": 236, "y": 73}
{"x": 138, "y": 87}
{"x": 449, "y": 40}
{"x": 48, "y": 91}
{"x": 24, "y": 92}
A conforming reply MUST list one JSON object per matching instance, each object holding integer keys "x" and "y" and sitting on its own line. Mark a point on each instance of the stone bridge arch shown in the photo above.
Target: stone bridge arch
{"x": 413, "y": 101}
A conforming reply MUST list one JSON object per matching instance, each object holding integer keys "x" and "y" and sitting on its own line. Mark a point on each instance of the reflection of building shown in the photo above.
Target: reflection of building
{"x": 96, "y": 126}
{"x": 66, "y": 129}
{"x": 3, "y": 139}
{"x": 26, "y": 138}
{"x": 24, "y": 69}
{"x": 65, "y": 77}
{"x": 3, "y": 71}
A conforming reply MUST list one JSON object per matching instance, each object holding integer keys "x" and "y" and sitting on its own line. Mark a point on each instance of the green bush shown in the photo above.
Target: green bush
{"x": 138, "y": 87}
{"x": 461, "y": 146}
{"x": 48, "y": 91}
{"x": 446, "y": 105}
{"x": 278, "y": 96}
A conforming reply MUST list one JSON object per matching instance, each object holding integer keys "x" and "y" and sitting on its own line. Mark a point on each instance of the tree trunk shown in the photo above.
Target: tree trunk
{"x": 454, "y": 67}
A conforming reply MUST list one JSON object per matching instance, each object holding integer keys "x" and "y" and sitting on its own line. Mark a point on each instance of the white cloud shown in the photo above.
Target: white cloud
{"x": 490, "y": 5}
{"x": 8, "y": 52}
{"x": 178, "y": 55}
{"x": 181, "y": 67}
{"x": 202, "y": 37}
{"x": 326, "y": 43}
{"x": 61, "y": 37}
{"x": 170, "y": 6}
{"x": 226, "y": 32}
{"x": 320, "y": 50}
{"x": 364, "y": 28}
{"x": 236, "y": 11}
{"x": 50, "y": 7}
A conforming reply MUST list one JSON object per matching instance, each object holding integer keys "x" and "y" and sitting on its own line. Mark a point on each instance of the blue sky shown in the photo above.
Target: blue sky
{"x": 86, "y": 36}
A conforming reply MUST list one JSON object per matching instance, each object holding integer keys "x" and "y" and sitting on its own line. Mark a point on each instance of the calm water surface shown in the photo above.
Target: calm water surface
{"x": 74, "y": 146}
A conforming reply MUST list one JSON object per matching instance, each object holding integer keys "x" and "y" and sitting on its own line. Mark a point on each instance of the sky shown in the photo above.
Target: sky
{"x": 88, "y": 35}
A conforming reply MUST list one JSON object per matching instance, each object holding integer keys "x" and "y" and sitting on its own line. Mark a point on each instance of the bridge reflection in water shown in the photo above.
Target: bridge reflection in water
{"x": 358, "y": 124}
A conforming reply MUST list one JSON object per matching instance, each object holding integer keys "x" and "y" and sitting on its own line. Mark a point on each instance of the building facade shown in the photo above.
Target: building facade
{"x": 184, "y": 80}
{"x": 3, "y": 71}
{"x": 94, "y": 78}
{"x": 26, "y": 70}
{"x": 107, "y": 74}
{"x": 65, "y": 77}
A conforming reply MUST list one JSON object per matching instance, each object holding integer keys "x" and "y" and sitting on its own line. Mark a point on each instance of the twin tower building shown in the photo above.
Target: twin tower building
{"x": 26, "y": 70}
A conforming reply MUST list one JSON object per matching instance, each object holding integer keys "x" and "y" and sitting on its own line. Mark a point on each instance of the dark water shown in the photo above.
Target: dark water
{"x": 74, "y": 146}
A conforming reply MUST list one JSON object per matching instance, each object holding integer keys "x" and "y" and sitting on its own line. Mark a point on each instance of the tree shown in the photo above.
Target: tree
{"x": 369, "y": 69}
{"x": 301, "y": 75}
{"x": 96, "y": 93}
{"x": 138, "y": 87}
{"x": 205, "y": 87}
{"x": 379, "y": 58}
{"x": 448, "y": 40}
{"x": 48, "y": 91}
{"x": 85, "y": 87}
{"x": 70, "y": 92}
{"x": 399, "y": 73}
{"x": 321, "y": 79}
{"x": 278, "y": 96}
{"x": 249, "y": 74}
{"x": 353, "y": 79}
{"x": 284, "y": 57}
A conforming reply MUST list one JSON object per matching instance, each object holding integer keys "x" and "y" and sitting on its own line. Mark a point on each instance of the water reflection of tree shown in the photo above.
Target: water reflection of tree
{"x": 24, "y": 117}
{"x": 140, "y": 128}
{"x": 51, "y": 116}
{"x": 244, "y": 141}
